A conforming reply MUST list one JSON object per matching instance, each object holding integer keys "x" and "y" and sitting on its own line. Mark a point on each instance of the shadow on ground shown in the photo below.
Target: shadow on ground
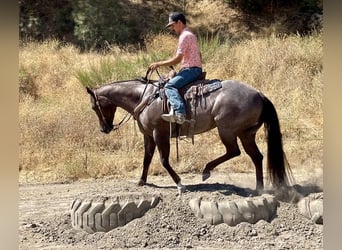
{"x": 292, "y": 194}
{"x": 225, "y": 189}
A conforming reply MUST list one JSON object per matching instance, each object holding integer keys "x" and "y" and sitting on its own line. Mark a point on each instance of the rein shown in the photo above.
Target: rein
{"x": 142, "y": 104}
{"x": 128, "y": 115}
{"x": 123, "y": 121}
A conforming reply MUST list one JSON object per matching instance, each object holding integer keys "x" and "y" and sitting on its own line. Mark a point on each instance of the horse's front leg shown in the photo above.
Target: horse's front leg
{"x": 149, "y": 146}
{"x": 163, "y": 143}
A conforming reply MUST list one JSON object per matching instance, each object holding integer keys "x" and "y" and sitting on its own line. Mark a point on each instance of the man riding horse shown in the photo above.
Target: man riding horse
{"x": 236, "y": 109}
{"x": 188, "y": 54}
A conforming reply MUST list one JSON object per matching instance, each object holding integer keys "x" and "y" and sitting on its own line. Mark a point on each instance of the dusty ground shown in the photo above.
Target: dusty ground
{"x": 44, "y": 219}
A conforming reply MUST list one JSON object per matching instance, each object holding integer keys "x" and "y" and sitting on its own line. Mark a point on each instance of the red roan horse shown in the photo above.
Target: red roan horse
{"x": 237, "y": 110}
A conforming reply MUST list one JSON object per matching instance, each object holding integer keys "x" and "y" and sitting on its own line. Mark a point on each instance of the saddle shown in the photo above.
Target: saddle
{"x": 191, "y": 93}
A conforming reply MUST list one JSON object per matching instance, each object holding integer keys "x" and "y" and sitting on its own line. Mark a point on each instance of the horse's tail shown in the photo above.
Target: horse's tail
{"x": 278, "y": 168}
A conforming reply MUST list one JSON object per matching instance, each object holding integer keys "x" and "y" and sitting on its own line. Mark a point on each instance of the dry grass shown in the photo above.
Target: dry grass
{"x": 59, "y": 134}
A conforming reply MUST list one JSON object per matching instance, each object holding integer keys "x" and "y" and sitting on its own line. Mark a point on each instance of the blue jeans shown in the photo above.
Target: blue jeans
{"x": 183, "y": 77}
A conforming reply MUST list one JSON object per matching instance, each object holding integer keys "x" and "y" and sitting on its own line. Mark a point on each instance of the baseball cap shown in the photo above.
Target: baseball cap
{"x": 174, "y": 17}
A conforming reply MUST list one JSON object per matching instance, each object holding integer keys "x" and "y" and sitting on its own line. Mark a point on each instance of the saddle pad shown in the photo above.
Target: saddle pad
{"x": 199, "y": 90}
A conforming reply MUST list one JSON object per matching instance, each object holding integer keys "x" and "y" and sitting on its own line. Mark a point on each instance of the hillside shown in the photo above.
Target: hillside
{"x": 228, "y": 21}
{"x": 96, "y": 24}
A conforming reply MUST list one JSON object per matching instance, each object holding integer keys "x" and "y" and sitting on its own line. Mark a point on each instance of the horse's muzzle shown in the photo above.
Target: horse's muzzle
{"x": 107, "y": 129}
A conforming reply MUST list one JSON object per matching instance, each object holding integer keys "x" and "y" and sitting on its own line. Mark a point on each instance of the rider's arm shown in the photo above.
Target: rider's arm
{"x": 169, "y": 62}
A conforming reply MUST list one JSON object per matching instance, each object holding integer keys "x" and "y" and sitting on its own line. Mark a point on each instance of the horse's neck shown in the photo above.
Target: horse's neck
{"x": 125, "y": 95}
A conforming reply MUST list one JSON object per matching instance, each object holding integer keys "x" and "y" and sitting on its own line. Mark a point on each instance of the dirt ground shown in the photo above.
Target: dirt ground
{"x": 45, "y": 222}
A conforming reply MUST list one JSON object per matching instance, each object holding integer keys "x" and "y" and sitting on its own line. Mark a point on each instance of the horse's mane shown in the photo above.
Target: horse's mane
{"x": 141, "y": 79}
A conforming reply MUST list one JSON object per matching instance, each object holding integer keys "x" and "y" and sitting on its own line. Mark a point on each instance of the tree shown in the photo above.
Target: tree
{"x": 43, "y": 19}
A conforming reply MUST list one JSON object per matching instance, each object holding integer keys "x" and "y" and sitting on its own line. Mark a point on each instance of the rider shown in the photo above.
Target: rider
{"x": 188, "y": 54}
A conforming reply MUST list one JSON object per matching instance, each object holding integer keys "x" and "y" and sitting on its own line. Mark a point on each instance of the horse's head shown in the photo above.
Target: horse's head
{"x": 104, "y": 110}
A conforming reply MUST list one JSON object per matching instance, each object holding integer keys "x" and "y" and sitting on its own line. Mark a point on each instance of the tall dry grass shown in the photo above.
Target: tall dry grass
{"x": 59, "y": 134}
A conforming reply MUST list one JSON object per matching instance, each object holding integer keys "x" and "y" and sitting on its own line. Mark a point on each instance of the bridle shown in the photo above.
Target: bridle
{"x": 97, "y": 103}
{"x": 124, "y": 120}
{"x": 128, "y": 115}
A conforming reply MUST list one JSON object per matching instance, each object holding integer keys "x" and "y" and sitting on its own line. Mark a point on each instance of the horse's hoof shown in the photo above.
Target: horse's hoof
{"x": 260, "y": 191}
{"x": 205, "y": 175}
{"x": 181, "y": 189}
{"x": 141, "y": 183}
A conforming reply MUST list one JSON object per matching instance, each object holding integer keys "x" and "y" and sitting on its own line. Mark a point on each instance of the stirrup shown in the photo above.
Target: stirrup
{"x": 169, "y": 117}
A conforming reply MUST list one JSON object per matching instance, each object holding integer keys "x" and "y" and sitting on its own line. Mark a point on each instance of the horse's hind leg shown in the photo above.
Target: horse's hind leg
{"x": 232, "y": 150}
{"x": 249, "y": 145}
{"x": 149, "y": 146}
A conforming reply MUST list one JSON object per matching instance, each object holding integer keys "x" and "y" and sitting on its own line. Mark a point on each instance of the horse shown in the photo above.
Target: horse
{"x": 237, "y": 110}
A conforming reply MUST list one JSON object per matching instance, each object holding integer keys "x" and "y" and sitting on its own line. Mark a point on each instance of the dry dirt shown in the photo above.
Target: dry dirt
{"x": 45, "y": 223}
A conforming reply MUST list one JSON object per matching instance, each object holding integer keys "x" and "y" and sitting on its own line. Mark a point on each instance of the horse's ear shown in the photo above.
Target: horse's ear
{"x": 90, "y": 91}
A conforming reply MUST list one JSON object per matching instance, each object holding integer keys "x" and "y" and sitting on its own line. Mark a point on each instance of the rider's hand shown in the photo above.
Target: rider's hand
{"x": 153, "y": 66}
